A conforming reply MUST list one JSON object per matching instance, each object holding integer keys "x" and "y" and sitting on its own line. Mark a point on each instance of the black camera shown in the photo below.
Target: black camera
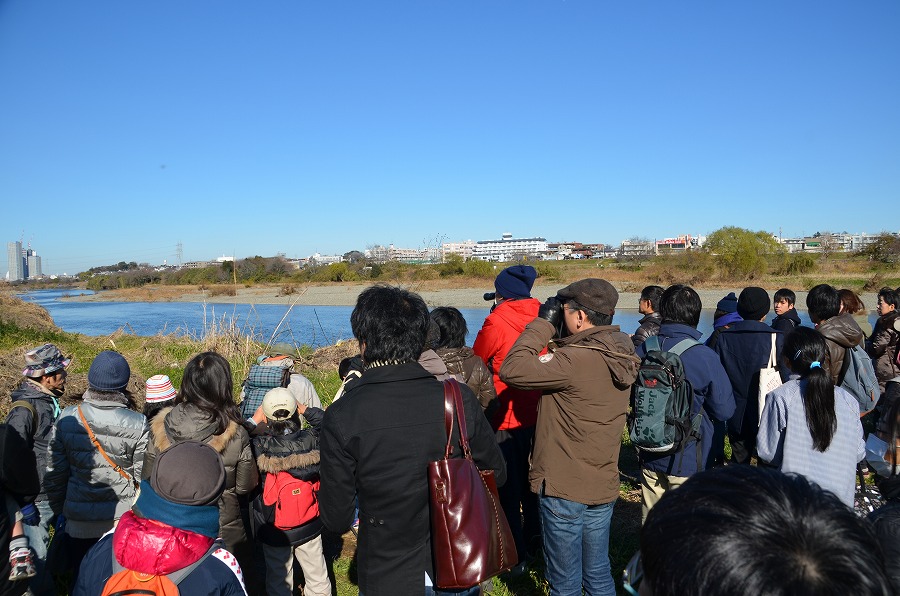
{"x": 489, "y": 295}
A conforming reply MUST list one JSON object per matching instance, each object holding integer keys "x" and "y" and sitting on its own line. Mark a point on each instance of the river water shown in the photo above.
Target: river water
{"x": 314, "y": 326}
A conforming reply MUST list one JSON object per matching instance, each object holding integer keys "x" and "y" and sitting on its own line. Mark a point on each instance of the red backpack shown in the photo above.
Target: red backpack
{"x": 295, "y": 500}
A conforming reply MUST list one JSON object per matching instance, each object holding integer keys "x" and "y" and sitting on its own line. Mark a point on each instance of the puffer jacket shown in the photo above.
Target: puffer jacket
{"x": 186, "y": 422}
{"x": 586, "y": 381}
{"x": 883, "y": 348}
{"x": 154, "y": 547}
{"x": 501, "y": 329}
{"x": 79, "y": 482}
{"x": 296, "y": 453}
{"x": 465, "y": 363}
{"x": 886, "y": 520}
{"x": 648, "y": 325}
{"x": 840, "y": 332}
{"x": 35, "y": 432}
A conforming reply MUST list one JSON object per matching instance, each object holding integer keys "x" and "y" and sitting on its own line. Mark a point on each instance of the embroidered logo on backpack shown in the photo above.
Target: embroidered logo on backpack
{"x": 661, "y": 398}
{"x": 295, "y": 501}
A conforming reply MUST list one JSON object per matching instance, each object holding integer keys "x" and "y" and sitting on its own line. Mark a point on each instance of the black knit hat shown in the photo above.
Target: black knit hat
{"x": 753, "y": 303}
{"x": 109, "y": 372}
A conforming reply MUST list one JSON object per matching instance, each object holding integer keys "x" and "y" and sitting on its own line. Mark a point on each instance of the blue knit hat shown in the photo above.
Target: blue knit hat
{"x": 728, "y": 303}
{"x": 515, "y": 281}
{"x": 109, "y": 372}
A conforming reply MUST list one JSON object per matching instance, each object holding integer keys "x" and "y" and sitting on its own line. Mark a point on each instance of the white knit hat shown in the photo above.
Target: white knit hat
{"x": 159, "y": 388}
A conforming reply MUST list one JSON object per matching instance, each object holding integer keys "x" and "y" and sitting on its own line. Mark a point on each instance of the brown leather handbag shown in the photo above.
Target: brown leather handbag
{"x": 469, "y": 532}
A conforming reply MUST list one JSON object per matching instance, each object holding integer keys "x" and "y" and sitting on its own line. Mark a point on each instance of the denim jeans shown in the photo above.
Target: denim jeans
{"x": 39, "y": 539}
{"x": 576, "y": 547}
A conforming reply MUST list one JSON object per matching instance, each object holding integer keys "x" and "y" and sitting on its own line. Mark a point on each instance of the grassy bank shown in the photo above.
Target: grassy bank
{"x": 25, "y": 325}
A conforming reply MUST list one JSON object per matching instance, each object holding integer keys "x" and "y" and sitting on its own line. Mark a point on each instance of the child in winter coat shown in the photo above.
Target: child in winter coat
{"x": 285, "y": 453}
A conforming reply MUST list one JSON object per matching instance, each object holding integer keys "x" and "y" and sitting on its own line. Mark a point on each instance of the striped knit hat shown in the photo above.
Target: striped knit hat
{"x": 159, "y": 389}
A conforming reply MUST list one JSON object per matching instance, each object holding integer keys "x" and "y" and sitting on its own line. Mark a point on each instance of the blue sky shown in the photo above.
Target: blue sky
{"x": 298, "y": 126}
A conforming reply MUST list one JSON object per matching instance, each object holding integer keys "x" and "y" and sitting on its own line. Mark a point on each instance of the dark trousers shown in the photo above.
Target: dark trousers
{"x": 516, "y": 498}
{"x": 742, "y": 449}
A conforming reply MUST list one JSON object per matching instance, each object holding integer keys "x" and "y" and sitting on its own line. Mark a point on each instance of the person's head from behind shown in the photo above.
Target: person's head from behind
{"x": 851, "y": 303}
{"x": 280, "y": 410}
{"x": 46, "y": 366}
{"x": 451, "y": 326}
{"x": 783, "y": 301}
{"x": 207, "y": 384}
{"x": 159, "y": 394}
{"x": 726, "y": 306}
{"x": 753, "y": 303}
{"x": 649, "y": 300}
{"x": 749, "y": 530}
{"x": 680, "y": 304}
{"x": 515, "y": 282}
{"x": 823, "y": 302}
{"x": 887, "y": 301}
{"x": 390, "y": 324}
{"x": 804, "y": 350}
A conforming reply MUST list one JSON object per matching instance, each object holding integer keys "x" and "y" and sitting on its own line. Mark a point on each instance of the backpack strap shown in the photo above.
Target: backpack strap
{"x": 683, "y": 346}
{"x": 651, "y": 344}
{"x": 21, "y": 403}
{"x": 845, "y": 366}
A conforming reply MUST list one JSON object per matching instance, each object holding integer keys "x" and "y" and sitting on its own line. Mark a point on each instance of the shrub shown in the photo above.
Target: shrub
{"x": 478, "y": 268}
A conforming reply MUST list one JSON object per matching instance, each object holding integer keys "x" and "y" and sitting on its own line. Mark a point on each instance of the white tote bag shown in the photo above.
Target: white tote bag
{"x": 769, "y": 378}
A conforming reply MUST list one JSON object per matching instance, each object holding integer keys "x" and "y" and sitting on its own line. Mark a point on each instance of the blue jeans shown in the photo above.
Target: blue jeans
{"x": 576, "y": 547}
{"x": 39, "y": 539}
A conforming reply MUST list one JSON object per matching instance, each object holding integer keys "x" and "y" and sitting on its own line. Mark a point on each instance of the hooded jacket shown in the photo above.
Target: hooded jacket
{"x": 786, "y": 322}
{"x": 35, "y": 430}
{"x": 153, "y": 547}
{"x": 296, "y": 453}
{"x": 840, "y": 332}
{"x": 79, "y": 482}
{"x": 465, "y": 363}
{"x": 883, "y": 348}
{"x": 585, "y": 382}
{"x": 501, "y": 329}
{"x": 187, "y": 422}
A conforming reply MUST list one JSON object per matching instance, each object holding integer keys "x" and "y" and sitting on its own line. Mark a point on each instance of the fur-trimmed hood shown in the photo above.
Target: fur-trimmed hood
{"x": 187, "y": 422}
{"x": 296, "y": 452}
{"x": 275, "y": 463}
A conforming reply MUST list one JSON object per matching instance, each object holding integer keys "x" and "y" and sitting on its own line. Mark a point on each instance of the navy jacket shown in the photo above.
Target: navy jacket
{"x": 712, "y": 397}
{"x": 786, "y": 322}
{"x": 744, "y": 349}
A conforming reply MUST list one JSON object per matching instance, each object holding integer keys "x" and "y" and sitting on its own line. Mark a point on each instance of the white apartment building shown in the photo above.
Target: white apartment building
{"x": 14, "y": 261}
{"x": 508, "y": 248}
{"x": 464, "y": 249}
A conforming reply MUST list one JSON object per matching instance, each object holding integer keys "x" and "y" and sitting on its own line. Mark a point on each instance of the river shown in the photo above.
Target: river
{"x": 314, "y": 326}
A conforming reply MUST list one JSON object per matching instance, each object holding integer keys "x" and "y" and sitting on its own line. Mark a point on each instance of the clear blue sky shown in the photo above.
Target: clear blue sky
{"x": 298, "y": 126}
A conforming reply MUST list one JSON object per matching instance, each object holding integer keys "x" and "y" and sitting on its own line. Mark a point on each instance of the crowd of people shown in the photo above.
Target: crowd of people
{"x": 210, "y": 496}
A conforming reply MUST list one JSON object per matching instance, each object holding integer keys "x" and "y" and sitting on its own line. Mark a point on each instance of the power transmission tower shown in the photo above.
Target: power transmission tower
{"x": 178, "y": 252}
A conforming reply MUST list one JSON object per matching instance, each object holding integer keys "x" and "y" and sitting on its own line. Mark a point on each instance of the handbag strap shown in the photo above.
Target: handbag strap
{"x": 99, "y": 447}
{"x": 453, "y": 401}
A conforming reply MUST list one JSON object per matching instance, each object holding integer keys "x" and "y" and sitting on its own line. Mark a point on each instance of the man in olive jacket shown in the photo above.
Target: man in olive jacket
{"x": 585, "y": 379}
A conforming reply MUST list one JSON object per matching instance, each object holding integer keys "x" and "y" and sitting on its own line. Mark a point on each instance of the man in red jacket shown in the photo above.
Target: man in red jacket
{"x": 516, "y": 417}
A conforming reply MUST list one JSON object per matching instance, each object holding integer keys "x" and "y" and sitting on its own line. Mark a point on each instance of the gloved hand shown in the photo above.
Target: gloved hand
{"x": 551, "y": 310}
{"x": 60, "y": 524}
{"x": 30, "y": 515}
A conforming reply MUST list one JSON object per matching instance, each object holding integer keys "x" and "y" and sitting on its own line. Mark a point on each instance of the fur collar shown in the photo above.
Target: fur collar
{"x": 274, "y": 464}
{"x": 162, "y": 442}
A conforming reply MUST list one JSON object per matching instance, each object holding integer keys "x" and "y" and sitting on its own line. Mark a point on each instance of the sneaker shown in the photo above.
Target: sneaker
{"x": 21, "y": 564}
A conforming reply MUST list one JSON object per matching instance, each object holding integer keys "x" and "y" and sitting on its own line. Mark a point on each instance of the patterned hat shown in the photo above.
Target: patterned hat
{"x": 43, "y": 361}
{"x": 159, "y": 389}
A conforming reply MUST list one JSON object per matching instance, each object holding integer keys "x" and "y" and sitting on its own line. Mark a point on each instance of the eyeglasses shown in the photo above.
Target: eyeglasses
{"x": 633, "y": 574}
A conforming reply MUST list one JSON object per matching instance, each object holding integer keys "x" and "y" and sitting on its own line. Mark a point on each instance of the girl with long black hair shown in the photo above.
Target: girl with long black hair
{"x": 808, "y": 425}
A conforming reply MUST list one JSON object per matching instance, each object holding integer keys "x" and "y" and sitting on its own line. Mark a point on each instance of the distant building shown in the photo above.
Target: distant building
{"x": 508, "y": 248}
{"x": 464, "y": 249}
{"x": 637, "y": 248}
{"x": 34, "y": 265}
{"x": 15, "y": 262}
{"x": 677, "y": 244}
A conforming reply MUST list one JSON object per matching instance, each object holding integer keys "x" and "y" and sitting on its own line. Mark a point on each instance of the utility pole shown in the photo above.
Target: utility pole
{"x": 178, "y": 252}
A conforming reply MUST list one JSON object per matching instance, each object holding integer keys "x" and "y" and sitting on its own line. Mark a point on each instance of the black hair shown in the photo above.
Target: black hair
{"x": 151, "y": 409}
{"x": 278, "y": 428}
{"x": 391, "y": 322}
{"x": 754, "y": 530}
{"x": 888, "y": 296}
{"x": 207, "y": 384}
{"x": 593, "y": 317}
{"x": 823, "y": 302}
{"x": 348, "y": 364}
{"x": 786, "y": 294}
{"x": 680, "y": 304}
{"x": 451, "y": 326}
{"x": 803, "y": 347}
{"x": 653, "y": 294}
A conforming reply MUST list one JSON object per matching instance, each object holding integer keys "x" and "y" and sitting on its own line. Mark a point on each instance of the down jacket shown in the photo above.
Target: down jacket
{"x": 186, "y": 422}
{"x": 840, "y": 332}
{"x": 465, "y": 363}
{"x": 35, "y": 432}
{"x": 79, "y": 482}
{"x": 647, "y": 326}
{"x": 296, "y": 453}
{"x": 883, "y": 348}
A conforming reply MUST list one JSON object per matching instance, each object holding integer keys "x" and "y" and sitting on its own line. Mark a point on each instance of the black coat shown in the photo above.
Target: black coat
{"x": 377, "y": 440}
{"x": 18, "y": 478}
{"x": 887, "y": 527}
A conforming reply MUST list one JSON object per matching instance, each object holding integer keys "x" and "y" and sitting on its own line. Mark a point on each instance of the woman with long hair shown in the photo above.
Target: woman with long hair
{"x": 207, "y": 413}
{"x": 808, "y": 425}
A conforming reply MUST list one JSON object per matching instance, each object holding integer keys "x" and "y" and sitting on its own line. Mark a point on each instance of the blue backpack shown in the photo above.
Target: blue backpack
{"x": 857, "y": 377}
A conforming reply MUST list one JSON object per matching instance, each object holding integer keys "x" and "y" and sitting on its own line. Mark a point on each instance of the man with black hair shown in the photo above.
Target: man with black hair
{"x": 585, "y": 381}
{"x": 713, "y": 399}
{"x": 839, "y": 329}
{"x": 377, "y": 441}
{"x": 744, "y": 348}
{"x": 648, "y": 305}
{"x": 786, "y": 317}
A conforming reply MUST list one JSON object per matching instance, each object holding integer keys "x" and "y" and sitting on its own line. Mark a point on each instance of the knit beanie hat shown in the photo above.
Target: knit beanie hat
{"x": 159, "y": 389}
{"x": 728, "y": 303}
{"x": 515, "y": 281}
{"x": 109, "y": 372}
{"x": 753, "y": 303}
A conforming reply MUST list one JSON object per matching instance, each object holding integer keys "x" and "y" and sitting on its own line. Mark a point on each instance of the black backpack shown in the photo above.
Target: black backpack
{"x": 661, "y": 421}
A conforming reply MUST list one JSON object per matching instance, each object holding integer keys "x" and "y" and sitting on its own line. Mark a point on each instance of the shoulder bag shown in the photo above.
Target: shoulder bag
{"x": 469, "y": 532}
{"x": 769, "y": 379}
{"x": 108, "y": 459}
